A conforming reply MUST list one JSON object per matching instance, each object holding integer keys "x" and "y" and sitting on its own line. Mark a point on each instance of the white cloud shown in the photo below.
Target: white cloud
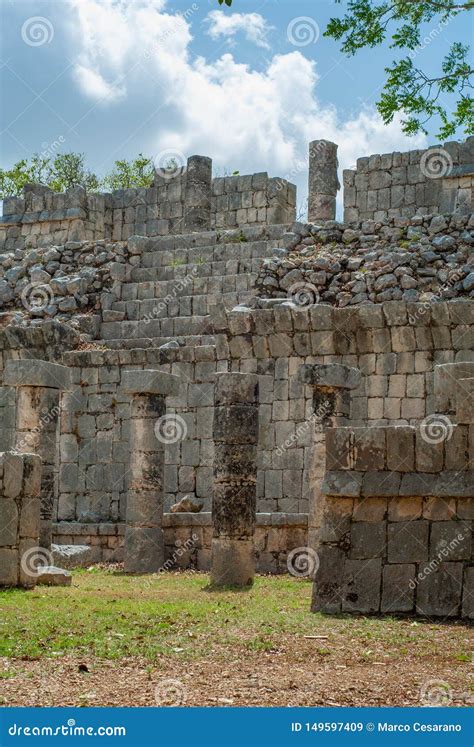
{"x": 95, "y": 86}
{"x": 243, "y": 118}
{"x": 253, "y": 25}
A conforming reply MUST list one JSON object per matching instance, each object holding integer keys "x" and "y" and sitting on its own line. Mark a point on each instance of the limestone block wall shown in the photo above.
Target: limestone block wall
{"x": 152, "y": 211}
{"x": 47, "y": 342}
{"x": 188, "y": 539}
{"x": 395, "y": 345}
{"x": 397, "y": 358}
{"x": 20, "y": 478}
{"x": 435, "y": 180}
{"x": 45, "y": 218}
{"x": 254, "y": 199}
{"x": 396, "y": 524}
{"x": 94, "y": 448}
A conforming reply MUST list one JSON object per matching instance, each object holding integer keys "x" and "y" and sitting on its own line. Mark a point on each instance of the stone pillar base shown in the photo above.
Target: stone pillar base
{"x": 46, "y": 533}
{"x": 232, "y": 562}
{"x": 144, "y": 549}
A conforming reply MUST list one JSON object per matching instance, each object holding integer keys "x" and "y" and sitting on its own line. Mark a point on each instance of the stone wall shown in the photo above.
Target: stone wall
{"x": 47, "y": 342}
{"x": 397, "y": 358}
{"x": 94, "y": 443}
{"x": 188, "y": 539}
{"x": 20, "y": 477}
{"x": 395, "y": 345}
{"x": 45, "y": 218}
{"x": 251, "y": 200}
{"x": 395, "y": 527}
{"x": 435, "y": 180}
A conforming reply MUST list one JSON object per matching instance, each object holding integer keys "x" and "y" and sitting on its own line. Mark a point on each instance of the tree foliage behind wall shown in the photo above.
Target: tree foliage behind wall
{"x": 67, "y": 170}
{"x": 409, "y": 26}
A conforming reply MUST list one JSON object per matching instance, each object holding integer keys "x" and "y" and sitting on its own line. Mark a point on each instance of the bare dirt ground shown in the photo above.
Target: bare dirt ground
{"x": 295, "y": 674}
{"x": 118, "y": 641}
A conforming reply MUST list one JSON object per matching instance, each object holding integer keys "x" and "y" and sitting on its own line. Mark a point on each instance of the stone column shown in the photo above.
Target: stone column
{"x": 235, "y": 479}
{"x": 323, "y": 182}
{"x": 38, "y": 386}
{"x": 144, "y": 542}
{"x": 332, "y": 384}
{"x": 197, "y": 195}
{"x": 20, "y": 479}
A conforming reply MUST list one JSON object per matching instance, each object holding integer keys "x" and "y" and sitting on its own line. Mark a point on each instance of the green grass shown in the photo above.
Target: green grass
{"x": 110, "y": 615}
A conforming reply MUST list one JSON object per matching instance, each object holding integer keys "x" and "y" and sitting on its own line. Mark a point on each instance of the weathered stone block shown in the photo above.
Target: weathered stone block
{"x": 9, "y": 565}
{"x": 341, "y": 483}
{"x": 451, "y": 540}
{"x": 398, "y": 588}
{"x": 468, "y": 593}
{"x": 232, "y": 561}
{"x": 234, "y": 509}
{"x": 405, "y": 508}
{"x": 235, "y": 424}
{"x": 439, "y": 591}
{"x": 408, "y": 541}
{"x": 371, "y": 509}
{"x": 361, "y": 586}
{"x": 328, "y": 581}
{"x": 401, "y": 449}
{"x": 38, "y": 373}
{"x": 150, "y": 382}
{"x": 368, "y": 539}
{"x": 236, "y": 388}
{"x": 144, "y": 549}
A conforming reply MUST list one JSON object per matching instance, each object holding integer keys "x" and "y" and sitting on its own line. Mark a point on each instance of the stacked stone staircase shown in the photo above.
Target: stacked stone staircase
{"x": 167, "y": 297}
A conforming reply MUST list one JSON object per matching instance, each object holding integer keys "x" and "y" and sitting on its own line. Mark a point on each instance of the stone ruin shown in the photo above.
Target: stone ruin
{"x": 191, "y": 378}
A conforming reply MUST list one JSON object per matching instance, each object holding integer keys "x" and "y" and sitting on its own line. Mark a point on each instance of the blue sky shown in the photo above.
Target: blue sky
{"x": 248, "y": 86}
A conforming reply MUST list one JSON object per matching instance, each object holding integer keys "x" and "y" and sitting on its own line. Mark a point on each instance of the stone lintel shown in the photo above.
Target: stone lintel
{"x": 38, "y": 373}
{"x": 150, "y": 382}
{"x": 463, "y": 169}
{"x": 330, "y": 376}
{"x": 236, "y": 388}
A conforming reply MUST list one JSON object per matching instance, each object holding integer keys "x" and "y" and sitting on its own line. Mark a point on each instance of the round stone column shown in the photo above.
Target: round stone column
{"x": 144, "y": 542}
{"x": 38, "y": 387}
{"x": 234, "y": 501}
{"x": 323, "y": 182}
